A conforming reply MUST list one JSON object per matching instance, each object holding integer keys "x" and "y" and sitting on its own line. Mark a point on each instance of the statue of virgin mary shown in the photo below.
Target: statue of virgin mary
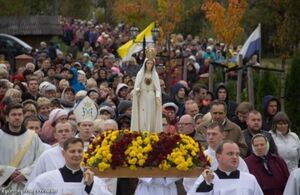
{"x": 146, "y": 106}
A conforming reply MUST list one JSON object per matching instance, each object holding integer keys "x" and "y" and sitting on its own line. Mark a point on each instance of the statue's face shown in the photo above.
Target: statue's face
{"x": 149, "y": 65}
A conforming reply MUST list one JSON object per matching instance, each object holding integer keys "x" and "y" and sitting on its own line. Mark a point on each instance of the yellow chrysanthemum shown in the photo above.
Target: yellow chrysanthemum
{"x": 183, "y": 156}
{"x": 102, "y": 166}
{"x": 141, "y": 162}
{"x": 132, "y": 167}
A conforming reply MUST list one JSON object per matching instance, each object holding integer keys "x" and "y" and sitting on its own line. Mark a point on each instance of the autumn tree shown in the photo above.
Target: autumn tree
{"x": 138, "y": 12}
{"x": 169, "y": 15}
{"x": 286, "y": 17}
{"x": 225, "y": 20}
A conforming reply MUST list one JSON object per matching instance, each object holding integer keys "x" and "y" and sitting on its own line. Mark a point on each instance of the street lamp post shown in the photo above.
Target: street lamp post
{"x": 134, "y": 32}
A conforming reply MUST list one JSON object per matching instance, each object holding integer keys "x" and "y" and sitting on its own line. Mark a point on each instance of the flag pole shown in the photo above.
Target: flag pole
{"x": 260, "y": 43}
{"x": 144, "y": 48}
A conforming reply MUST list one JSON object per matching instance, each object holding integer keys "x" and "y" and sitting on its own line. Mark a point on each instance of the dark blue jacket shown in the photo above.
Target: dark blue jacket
{"x": 231, "y": 105}
{"x": 267, "y": 119}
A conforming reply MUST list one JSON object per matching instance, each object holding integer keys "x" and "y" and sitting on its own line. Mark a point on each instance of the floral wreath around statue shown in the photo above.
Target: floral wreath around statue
{"x": 124, "y": 148}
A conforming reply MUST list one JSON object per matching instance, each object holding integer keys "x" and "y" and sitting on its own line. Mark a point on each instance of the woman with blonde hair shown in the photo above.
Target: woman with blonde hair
{"x": 98, "y": 126}
{"x": 63, "y": 84}
{"x": 29, "y": 110}
{"x": 43, "y": 108}
{"x": 12, "y": 95}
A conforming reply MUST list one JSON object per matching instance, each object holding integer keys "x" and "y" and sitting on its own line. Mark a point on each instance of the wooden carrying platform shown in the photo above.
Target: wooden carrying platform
{"x": 121, "y": 172}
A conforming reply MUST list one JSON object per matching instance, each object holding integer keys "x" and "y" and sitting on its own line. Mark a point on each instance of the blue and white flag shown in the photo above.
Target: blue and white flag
{"x": 252, "y": 45}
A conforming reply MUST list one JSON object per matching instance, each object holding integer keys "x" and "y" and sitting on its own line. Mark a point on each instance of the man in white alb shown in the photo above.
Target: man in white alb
{"x": 227, "y": 179}
{"x": 85, "y": 113}
{"x": 70, "y": 179}
{"x": 19, "y": 150}
{"x": 53, "y": 158}
{"x": 214, "y": 136}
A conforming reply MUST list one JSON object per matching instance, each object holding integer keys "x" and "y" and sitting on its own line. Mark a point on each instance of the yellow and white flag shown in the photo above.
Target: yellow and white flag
{"x": 131, "y": 47}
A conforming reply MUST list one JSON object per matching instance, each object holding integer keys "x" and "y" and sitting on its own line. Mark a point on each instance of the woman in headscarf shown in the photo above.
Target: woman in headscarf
{"x": 68, "y": 98}
{"x": 47, "y": 132}
{"x": 270, "y": 170}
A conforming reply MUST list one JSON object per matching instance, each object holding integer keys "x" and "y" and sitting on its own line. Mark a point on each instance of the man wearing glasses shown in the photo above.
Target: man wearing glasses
{"x": 186, "y": 125}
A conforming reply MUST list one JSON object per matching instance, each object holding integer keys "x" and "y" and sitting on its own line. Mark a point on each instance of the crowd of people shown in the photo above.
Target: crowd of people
{"x": 37, "y": 116}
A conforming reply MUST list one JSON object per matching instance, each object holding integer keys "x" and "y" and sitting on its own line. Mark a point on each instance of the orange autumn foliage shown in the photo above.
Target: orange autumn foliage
{"x": 225, "y": 20}
{"x": 132, "y": 11}
{"x": 169, "y": 15}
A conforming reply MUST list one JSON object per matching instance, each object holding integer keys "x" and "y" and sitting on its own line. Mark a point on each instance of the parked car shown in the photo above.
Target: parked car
{"x": 11, "y": 47}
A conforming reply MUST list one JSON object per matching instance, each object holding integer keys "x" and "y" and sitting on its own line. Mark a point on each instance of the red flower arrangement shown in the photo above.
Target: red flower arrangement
{"x": 118, "y": 149}
{"x": 135, "y": 149}
{"x": 161, "y": 149}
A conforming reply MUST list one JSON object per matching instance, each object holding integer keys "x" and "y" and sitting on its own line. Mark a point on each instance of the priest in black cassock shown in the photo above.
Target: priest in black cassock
{"x": 226, "y": 179}
{"x": 70, "y": 179}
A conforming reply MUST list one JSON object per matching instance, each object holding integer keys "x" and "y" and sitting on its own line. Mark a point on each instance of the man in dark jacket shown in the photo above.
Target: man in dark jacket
{"x": 271, "y": 106}
{"x": 222, "y": 94}
{"x": 254, "y": 123}
{"x": 33, "y": 89}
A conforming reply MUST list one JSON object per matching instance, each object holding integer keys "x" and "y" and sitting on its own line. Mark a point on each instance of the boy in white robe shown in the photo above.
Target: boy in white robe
{"x": 53, "y": 158}
{"x": 85, "y": 114}
{"x": 226, "y": 179}
{"x": 70, "y": 179}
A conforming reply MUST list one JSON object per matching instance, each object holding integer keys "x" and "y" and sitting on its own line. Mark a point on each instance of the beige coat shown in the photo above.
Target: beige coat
{"x": 232, "y": 132}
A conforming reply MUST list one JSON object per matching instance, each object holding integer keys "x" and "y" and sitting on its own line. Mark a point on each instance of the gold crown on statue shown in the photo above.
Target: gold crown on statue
{"x": 150, "y": 53}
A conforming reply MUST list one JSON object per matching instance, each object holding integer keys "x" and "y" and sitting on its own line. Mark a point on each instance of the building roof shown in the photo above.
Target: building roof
{"x": 30, "y": 25}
